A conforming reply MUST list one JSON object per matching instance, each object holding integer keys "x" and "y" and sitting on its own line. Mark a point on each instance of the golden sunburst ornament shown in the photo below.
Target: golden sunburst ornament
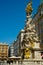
{"x": 29, "y": 8}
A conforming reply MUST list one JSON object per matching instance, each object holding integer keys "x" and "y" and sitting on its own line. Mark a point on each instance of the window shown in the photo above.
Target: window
{"x": 42, "y": 55}
{"x": 2, "y": 48}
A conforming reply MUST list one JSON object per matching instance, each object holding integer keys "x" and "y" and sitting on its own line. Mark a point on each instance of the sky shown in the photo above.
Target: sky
{"x": 12, "y": 18}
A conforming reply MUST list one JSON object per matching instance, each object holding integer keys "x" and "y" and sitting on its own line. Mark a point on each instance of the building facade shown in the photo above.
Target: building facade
{"x": 38, "y": 20}
{"x": 18, "y": 44}
{"x": 11, "y": 50}
{"x": 4, "y": 51}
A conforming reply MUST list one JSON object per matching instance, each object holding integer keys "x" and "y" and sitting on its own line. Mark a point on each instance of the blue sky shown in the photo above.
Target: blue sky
{"x": 12, "y": 18}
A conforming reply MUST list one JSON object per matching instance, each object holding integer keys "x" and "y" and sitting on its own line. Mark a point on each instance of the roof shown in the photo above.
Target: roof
{"x": 1, "y": 43}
